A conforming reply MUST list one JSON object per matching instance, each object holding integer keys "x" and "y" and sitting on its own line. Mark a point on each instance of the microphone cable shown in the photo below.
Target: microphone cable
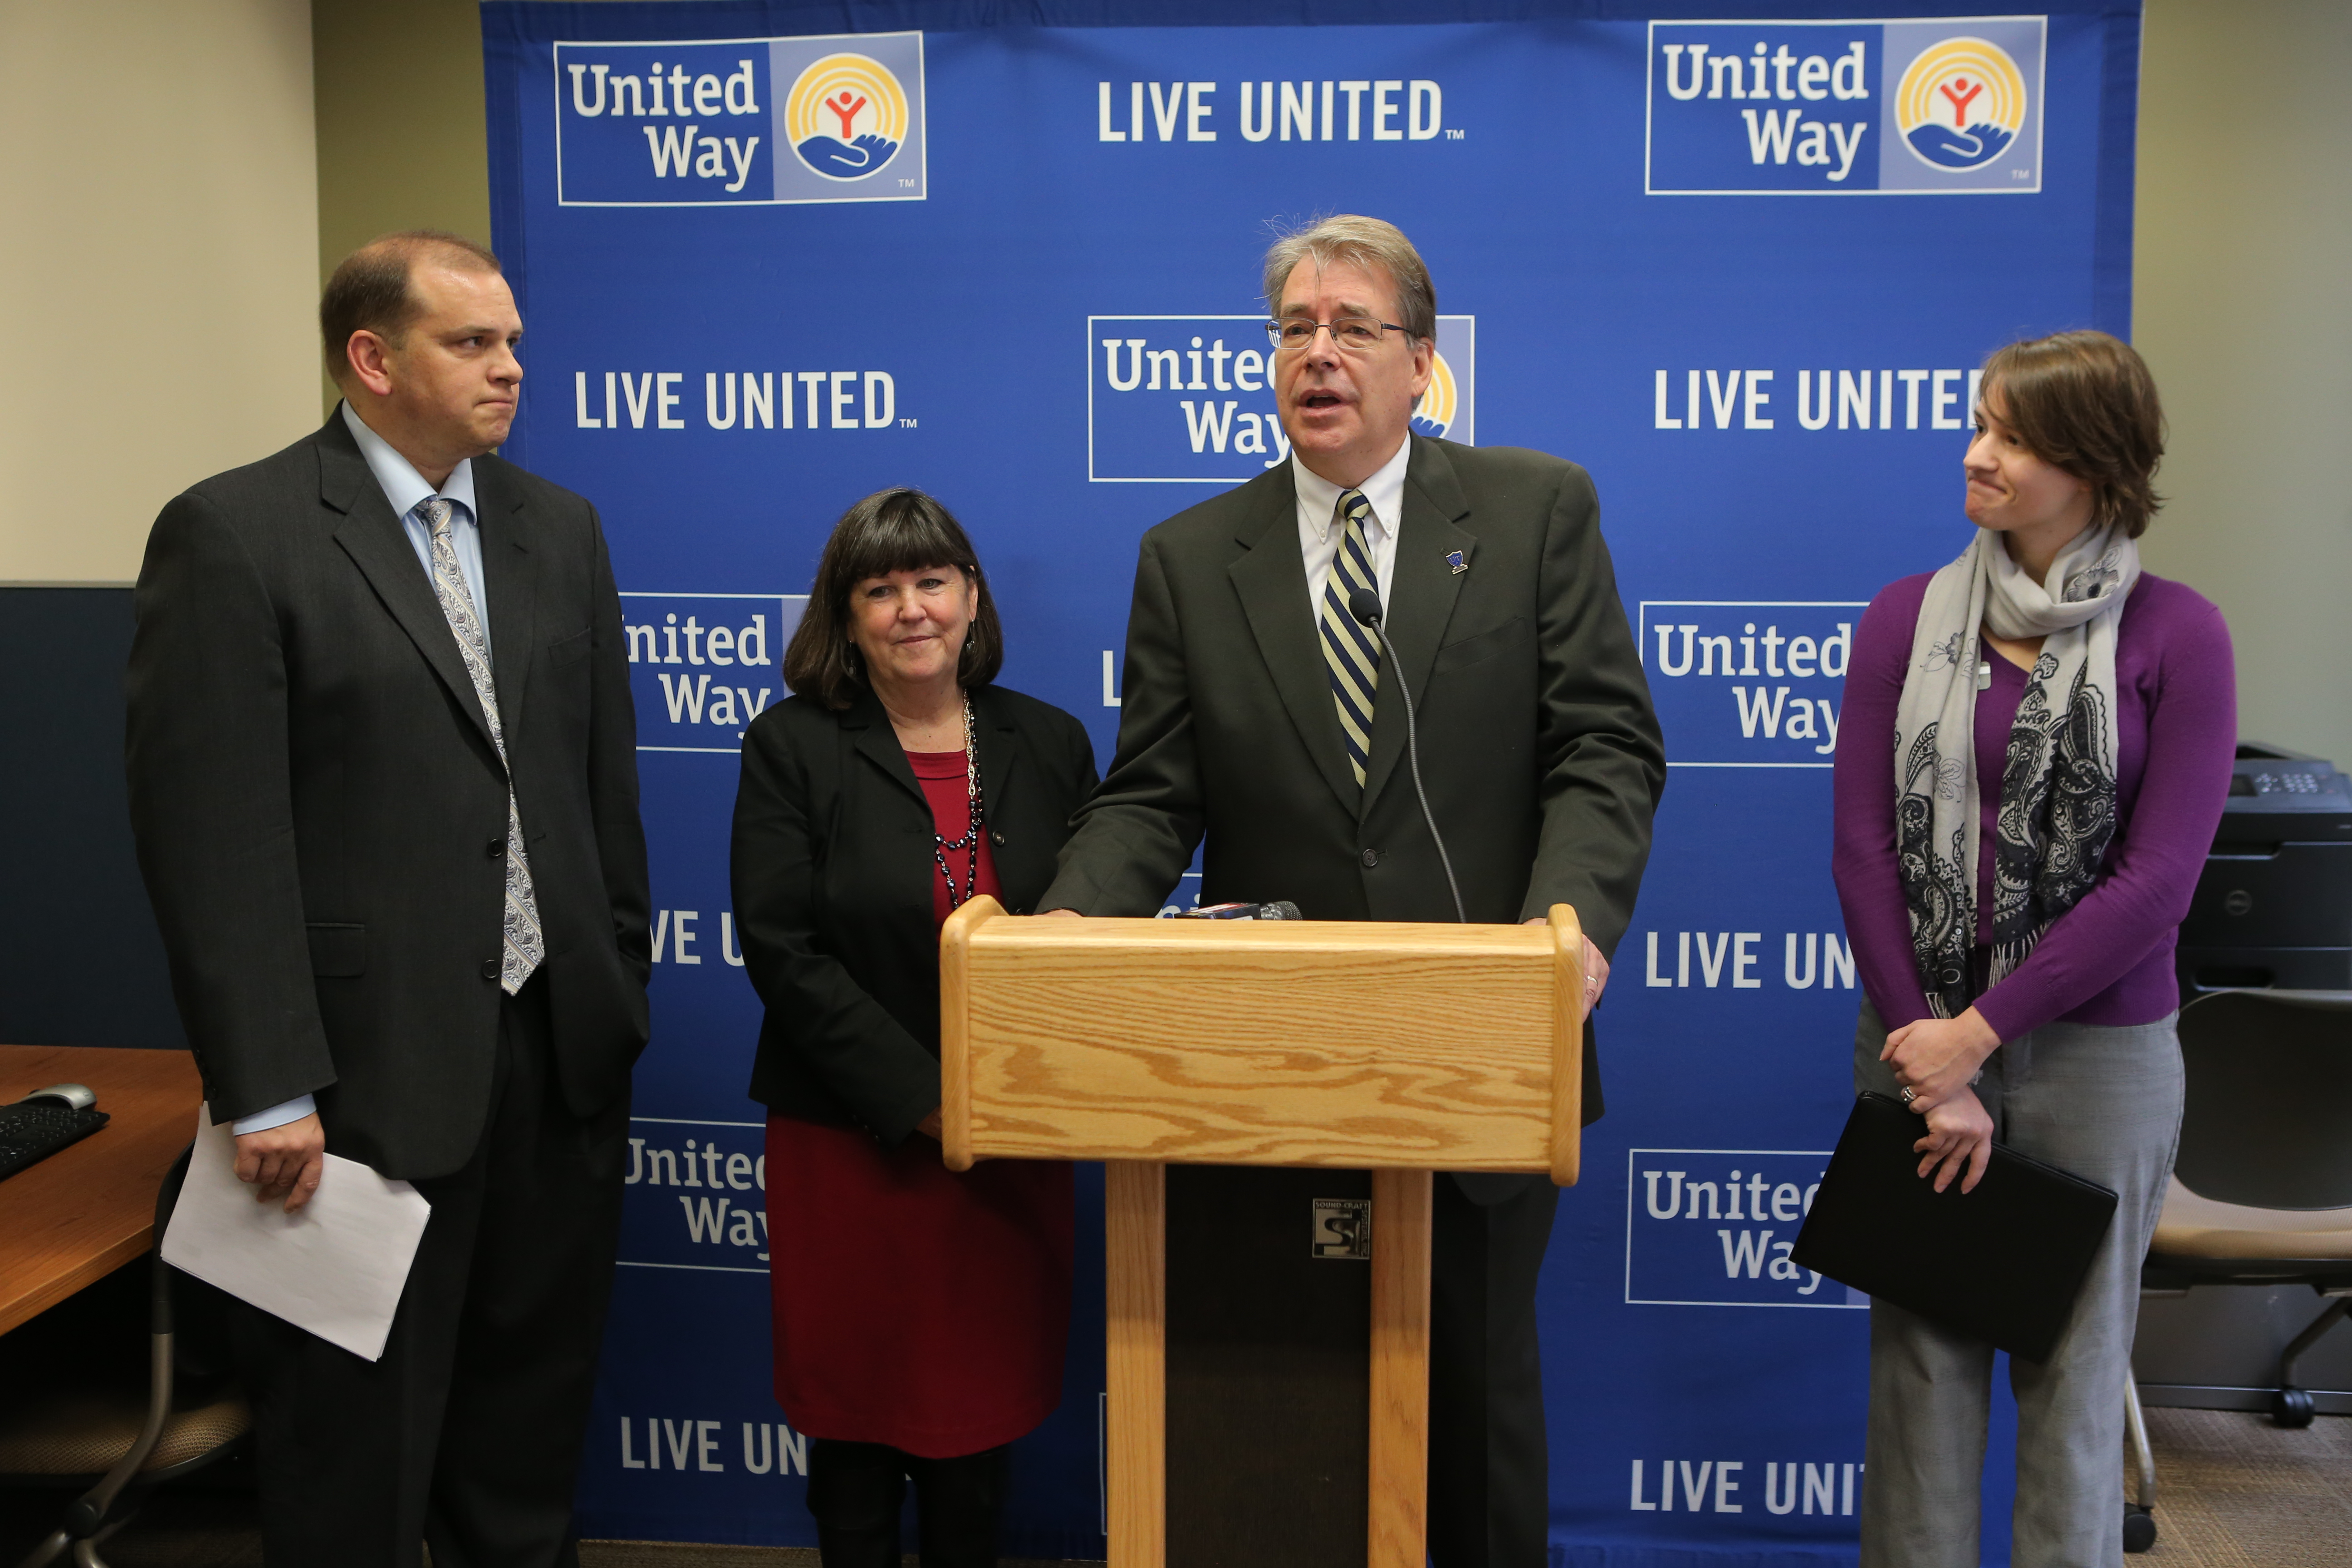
{"x": 1365, "y": 605}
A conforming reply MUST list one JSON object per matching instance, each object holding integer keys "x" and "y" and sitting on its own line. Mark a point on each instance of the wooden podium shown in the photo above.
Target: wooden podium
{"x": 1397, "y": 1049}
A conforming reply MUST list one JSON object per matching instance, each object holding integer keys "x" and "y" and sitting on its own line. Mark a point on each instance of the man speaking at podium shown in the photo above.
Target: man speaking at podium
{"x": 1276, "y": 634}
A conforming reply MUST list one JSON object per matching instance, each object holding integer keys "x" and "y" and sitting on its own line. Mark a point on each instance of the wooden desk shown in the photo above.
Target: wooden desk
{"x": 89, "y": 1209}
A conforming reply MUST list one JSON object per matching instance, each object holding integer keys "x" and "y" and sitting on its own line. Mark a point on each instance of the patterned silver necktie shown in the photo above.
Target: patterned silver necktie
{"x": 526, "y": 945}
{"x": 1351, "y": 648}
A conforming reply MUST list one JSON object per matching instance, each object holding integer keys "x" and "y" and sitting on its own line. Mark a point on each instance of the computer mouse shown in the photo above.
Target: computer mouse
{"x": 72, "y": 1096}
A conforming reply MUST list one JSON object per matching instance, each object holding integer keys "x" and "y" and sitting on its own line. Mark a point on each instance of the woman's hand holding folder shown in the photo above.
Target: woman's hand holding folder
{"x": 1936, "y": 1061}
{"x": 2003, "y": 1265}
{"x": 1936, "y": 1058}
{"x": 1959, "y": 1134}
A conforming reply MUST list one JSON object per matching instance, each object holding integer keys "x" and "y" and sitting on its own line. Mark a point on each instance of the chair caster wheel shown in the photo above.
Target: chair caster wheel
{"x": 2139, "y": 1528}
{"x": 2291, "y": 1408}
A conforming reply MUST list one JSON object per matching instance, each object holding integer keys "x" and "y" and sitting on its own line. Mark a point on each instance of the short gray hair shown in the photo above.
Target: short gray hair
{"x": 1366, "y": 242}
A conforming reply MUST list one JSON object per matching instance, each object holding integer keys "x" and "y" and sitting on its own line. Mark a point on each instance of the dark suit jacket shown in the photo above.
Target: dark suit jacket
{"x": 321, "y": 815}
{"x": 832, "y": 873}
{"x": 1538, "y": 747}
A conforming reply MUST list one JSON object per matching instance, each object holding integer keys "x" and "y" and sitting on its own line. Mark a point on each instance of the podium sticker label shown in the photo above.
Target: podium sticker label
{"x": 1343, "y": 1228}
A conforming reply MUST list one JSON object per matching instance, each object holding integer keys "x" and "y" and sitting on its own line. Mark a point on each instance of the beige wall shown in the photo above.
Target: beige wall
{"x": 2244, "y": 310}
{"x": 157, "y": 264}
{"x": 410, "y": 155}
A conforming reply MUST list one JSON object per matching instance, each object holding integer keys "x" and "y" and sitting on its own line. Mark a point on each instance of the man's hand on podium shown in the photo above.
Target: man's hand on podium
{"x": 929, "y": 1125}
{"x": 1065, "y": 914}
{"x": 1596, "y": 969}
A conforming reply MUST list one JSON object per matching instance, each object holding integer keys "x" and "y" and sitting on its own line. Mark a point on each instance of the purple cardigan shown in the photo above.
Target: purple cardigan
{"x": 2108, "y": 959}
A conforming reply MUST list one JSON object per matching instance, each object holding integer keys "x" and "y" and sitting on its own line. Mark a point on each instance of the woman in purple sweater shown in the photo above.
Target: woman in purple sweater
{"x": 2036, "y": 746}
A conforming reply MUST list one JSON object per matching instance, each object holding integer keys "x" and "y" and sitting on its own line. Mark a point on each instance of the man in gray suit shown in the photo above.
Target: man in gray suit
{"x": 383, "y": 778}
{"x": 1260, "y": 709}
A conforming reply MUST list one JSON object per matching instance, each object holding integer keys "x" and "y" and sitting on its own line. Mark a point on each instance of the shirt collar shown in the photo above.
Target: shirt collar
{"x": 1319, "y": 497}
{"x": 403, "y": 485}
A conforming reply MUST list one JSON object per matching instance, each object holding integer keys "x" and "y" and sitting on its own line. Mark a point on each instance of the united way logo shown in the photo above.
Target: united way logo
{"x": 1716, "y": 1228}
{"x": 1190, "y": 399}
{"x": 741, "y": 121}
{"x": 1748, "y": 684}
{"x": 703, "y": 666}
{"x": 1859, "y": 107}
{"x": 846, "y": 117}
{"x": 1441, "y": 405}
{"x": 852, "y": 113}
{"x": 1961, "y": 104}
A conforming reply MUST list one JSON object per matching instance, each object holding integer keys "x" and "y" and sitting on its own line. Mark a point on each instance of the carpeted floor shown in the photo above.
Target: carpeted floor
{"x": 2233, "y": 1491}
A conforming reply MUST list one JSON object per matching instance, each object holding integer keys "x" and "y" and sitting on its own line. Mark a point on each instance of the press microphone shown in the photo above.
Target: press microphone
{"x": 1365, "y": 605}
{"x": 1281, "y": 910}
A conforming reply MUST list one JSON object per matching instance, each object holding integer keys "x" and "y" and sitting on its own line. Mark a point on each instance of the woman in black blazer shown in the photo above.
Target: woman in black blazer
{"x": 919, "y": 1314}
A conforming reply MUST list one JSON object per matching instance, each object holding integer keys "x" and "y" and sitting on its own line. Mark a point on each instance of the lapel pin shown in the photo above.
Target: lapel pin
{"x": 1454, "y": 559}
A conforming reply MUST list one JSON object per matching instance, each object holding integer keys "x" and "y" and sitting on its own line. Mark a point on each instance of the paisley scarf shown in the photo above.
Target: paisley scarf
{"x": 2057, "y": 813}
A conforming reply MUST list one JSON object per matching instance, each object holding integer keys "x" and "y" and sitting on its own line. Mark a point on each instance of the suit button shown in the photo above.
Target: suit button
{"x": 1371, "y": 858}
{"x": 497, "y": 846}
{"x": 997, "y": 839}
{"x": 491, "y": 968}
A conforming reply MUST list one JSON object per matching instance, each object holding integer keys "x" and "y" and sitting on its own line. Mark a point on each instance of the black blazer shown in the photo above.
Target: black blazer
{"x": 1538, "y": 747}
{"x": 833, "y": 871}
{"x": 321, "y": 816}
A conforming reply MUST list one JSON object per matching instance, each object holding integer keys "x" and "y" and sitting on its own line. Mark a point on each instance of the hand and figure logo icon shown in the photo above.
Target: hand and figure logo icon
{"x": 1961, "y": 104}
{"x": 1434, "y": 414}
{"x": 847, "y": 116}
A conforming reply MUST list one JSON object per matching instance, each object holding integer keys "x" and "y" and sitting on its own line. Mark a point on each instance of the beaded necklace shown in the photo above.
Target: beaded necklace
{"x": 970, "y": 839}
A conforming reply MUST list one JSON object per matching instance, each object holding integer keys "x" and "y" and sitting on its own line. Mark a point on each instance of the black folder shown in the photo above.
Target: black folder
{"x": 2002, "y": 1264}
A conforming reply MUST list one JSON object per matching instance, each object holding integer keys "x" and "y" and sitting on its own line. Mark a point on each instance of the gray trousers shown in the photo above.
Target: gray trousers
{"x": 2105, "y": 1103}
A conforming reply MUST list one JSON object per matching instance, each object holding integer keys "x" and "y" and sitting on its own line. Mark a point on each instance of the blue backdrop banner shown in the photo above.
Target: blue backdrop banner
{"x": 775, "y": 257}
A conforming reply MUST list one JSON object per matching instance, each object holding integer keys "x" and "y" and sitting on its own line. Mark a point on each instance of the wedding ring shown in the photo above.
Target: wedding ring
{"x": 1908, "y": 1095}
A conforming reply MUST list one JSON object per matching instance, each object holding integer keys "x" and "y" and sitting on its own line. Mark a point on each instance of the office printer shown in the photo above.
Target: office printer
{"x": 2274, "y": 907}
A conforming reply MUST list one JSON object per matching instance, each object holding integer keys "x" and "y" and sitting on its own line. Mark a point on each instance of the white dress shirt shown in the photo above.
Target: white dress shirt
{"x": 405, "y": 489}
{"x": 1320, "y": 531}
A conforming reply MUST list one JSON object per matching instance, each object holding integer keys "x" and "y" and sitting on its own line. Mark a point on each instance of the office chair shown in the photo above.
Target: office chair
{"x": 125, "y": 1440}
{"x": 2261, "y": 1191}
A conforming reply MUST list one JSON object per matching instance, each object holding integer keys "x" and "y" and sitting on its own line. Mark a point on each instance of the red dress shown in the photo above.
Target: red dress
{"x": 914, "y": 1306}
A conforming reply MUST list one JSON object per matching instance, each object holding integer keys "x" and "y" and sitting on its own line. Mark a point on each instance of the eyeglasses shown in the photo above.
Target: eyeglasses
{"x": 1355, "y": 335}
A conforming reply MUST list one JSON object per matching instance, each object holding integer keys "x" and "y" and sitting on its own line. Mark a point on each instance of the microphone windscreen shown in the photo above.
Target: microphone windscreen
{"x": 1281, "y": 910}
{"x": 1365, "y": 605}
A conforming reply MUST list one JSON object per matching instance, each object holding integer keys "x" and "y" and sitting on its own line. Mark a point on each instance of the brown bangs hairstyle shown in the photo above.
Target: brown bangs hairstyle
{"x": 889, "y": 531}
{"x": 2084, "y": 402}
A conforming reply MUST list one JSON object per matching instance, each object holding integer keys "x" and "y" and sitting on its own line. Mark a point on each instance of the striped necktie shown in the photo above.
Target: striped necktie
{"x": 526, "y": 945}
{"x": 1351, "y": 648}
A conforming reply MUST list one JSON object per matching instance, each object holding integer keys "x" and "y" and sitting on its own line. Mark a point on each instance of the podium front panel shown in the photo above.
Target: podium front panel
{"x": 1269, "y": 1372}
{"x": 1357, "y": 1045}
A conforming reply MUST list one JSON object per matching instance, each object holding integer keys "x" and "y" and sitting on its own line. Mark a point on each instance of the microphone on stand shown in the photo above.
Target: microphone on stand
{"x": 1365, "y": 605}
{"x": 1280, "y": 909}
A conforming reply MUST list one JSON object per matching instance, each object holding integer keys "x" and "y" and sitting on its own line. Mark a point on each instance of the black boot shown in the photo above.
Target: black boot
{"x": 958, "y": 1502}
{"x": 855, "y": 1491}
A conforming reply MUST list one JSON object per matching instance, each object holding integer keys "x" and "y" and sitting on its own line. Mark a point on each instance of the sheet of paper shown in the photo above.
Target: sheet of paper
{"x": 334, "y": 1267}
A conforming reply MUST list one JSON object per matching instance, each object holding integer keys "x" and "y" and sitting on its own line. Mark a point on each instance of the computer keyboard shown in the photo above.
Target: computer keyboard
{"x": 31, "y": 1131}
